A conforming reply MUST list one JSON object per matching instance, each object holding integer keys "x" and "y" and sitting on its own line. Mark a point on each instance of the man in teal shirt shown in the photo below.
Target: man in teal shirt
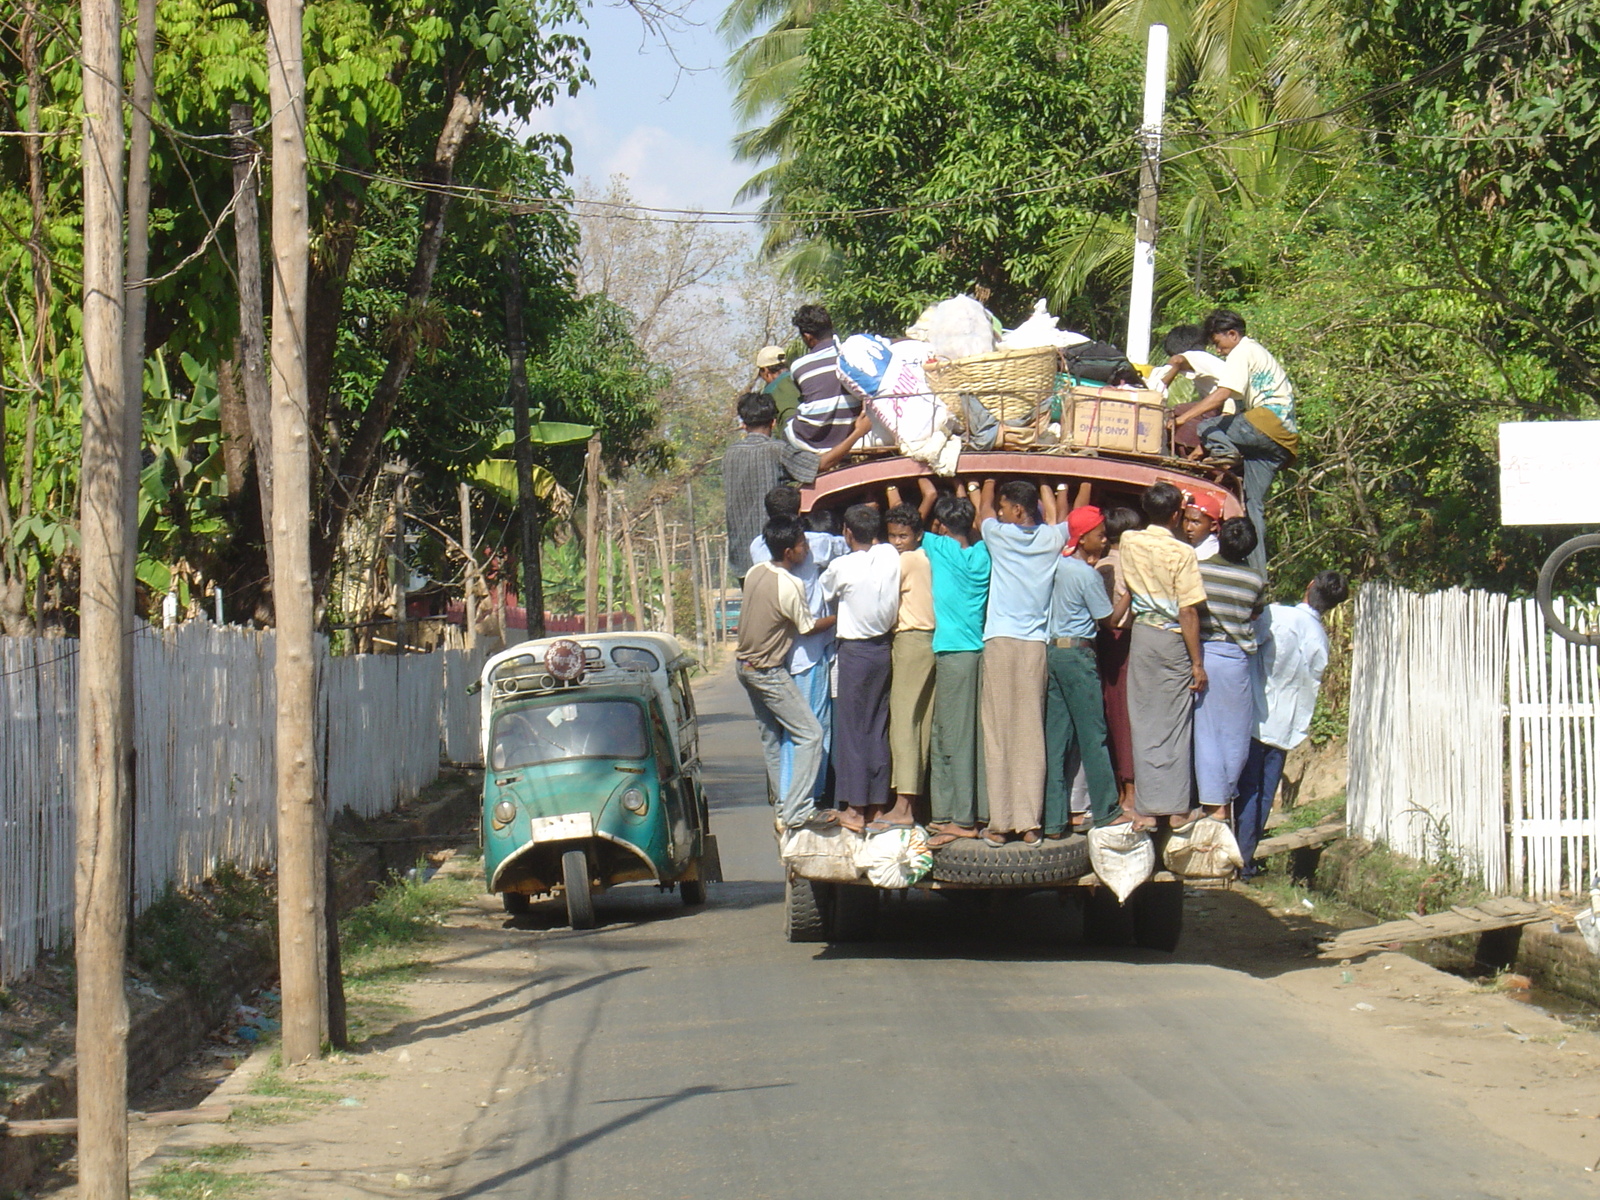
{"x": 960, "y": 564}
{"x": 772, "y": 365}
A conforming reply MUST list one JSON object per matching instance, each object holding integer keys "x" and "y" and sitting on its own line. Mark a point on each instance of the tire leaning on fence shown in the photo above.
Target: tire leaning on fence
{"x": 1559, "y": 558}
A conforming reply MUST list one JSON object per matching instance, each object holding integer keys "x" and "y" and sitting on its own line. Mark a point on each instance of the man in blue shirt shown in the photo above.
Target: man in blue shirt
{"x": 1022, "y": 554}
{"x": 1075, "y": 716}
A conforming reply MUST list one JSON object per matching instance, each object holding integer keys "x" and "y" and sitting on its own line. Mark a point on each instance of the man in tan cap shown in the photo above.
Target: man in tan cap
{"x": 772, "y": 365}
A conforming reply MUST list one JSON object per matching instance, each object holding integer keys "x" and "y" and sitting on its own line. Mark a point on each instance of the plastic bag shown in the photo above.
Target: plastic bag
{"x": 863, "y": 360}
{"x": 895, "y": 858}
{"x": 960, "y": 327}
{"x": 1040, "y": 329}
{"x": 1203, "y": 849}
{"x": 1122, "y": 856}
{"x": 822, "y": 854}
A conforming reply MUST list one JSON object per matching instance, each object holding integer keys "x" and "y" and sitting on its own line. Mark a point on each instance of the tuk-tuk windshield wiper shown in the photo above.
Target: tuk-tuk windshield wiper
{"x": 575, "y": 729}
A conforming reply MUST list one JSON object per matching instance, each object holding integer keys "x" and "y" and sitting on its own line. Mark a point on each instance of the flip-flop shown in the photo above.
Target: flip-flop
{"x": 1031, "y": 838}
{"x": 994, "y": 839}
{"x": 940, "y": 840}
{"x": 823, "y": 818}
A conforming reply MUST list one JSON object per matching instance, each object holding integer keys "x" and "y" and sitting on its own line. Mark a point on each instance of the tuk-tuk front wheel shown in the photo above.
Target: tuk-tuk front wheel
{"x": 580, "y": 900}
{"x": 693, "y": 892}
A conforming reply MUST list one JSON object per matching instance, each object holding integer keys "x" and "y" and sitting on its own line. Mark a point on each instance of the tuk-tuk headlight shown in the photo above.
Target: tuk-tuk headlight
{"x": 504, "y": 813}
{"x": 635, "y": 801}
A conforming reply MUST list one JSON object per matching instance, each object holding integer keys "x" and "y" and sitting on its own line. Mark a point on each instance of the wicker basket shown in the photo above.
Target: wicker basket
{"x": 1011, "y": 384}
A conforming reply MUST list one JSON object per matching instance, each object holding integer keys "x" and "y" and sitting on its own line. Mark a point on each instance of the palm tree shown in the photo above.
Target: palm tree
{"x": 1249, "y": 75}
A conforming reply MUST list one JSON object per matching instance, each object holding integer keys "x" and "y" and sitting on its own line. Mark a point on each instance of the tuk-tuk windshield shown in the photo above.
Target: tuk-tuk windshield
{"x": 576, "y": 729}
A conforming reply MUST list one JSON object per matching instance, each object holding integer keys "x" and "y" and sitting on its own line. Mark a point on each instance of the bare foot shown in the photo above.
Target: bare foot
{"x": 853, "y": 819}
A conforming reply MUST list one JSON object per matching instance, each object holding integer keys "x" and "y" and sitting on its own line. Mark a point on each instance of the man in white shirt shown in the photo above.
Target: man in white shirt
{"x": 866, "y": 586}
{"x": 1188, "y": 359}
{"x": 810, "y": 662}
{"x": 1292, "y": 654}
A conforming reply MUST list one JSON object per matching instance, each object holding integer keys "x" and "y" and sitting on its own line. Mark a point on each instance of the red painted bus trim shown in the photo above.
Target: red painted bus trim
{"x": 994, "y": 464}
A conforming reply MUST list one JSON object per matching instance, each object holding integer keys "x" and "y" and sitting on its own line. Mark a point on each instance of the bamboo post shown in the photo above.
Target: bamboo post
{"x": 669, "y": 620}
{"x": 103, "y": 776}
{"x": 470, "y": 602}
{"x": 633, "y": 571}
{"x": 694, "y": 576}
{"x": 302, "y": 955}
{"x": 708, "y": 592}
{"x": 591, "y": 533}
{"x": 611, "y": 562}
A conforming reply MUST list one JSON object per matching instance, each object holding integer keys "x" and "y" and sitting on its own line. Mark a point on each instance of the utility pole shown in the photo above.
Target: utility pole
{"x": 633, "y": 571}
{"x": 694, "y": 574}
{"x": 471, "y": 589}
{"x": 611, "y": 562}
{"x": 397, "y": 559}
{"x": 302, "y": 832}
{"x": 591, "y": 533}
{"x": 252, "y": 341}
{"x": 669, "y": 618}
{"x": 522, "y": 432}
{"x": 1141, "y": 298}
{"x": 103, "y": 775}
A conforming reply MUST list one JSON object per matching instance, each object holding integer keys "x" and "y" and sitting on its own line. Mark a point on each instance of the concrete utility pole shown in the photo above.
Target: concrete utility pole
{"x": 1141, "y": 299}
{"x": 591, "y": 534}
{"x": 302, "y": 832}
{"x": 101, "y": 916}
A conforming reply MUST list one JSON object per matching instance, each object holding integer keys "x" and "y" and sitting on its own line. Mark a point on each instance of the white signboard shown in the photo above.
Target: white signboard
{"x": 1550, "y": 473}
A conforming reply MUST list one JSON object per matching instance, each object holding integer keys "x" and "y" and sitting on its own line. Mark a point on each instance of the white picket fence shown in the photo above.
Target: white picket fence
{"x": 1474, "y": 731}
{"x": 205, "y": 755}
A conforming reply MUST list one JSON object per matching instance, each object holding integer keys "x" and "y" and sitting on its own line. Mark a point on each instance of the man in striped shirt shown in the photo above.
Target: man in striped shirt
{"x": 1224, "y": 714}
{"x": 827, "y": 412}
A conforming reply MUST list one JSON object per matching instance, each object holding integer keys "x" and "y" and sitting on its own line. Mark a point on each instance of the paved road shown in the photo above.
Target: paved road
{"x": 696, "y": 1054}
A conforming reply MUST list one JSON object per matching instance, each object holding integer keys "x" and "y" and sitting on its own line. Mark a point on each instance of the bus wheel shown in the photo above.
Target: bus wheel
{"x": 580, "y": 900}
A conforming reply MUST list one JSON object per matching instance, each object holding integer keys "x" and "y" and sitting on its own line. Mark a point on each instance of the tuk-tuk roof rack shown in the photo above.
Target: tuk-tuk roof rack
{"x": 526, "y": 676}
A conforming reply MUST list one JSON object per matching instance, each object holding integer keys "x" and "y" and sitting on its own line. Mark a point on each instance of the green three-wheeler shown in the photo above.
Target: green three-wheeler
{"x": 592, "y": 772}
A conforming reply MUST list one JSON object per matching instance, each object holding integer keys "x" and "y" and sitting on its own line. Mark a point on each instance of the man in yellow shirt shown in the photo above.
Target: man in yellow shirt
{"x": 1165, "y": 670}
{"x": 911, "y": 668}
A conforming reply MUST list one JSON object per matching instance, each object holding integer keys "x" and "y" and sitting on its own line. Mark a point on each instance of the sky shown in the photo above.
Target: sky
{"x": 662, "y": 117}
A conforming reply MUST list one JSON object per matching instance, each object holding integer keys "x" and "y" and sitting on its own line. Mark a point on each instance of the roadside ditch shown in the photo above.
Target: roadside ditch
{"x": 195, "y": 958}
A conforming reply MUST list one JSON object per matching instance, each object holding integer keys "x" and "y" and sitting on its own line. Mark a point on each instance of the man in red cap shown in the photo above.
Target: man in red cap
{"x": 1202, "y": 513}
{"x": 1075, "y": 716}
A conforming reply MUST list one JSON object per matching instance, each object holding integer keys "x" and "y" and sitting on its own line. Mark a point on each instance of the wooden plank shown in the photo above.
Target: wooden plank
{"x": 55, "y": 1126}
{"x": 1421, "y": 929}
{"x": 1300, "y": 839}
{"x": 1471, "y": 914}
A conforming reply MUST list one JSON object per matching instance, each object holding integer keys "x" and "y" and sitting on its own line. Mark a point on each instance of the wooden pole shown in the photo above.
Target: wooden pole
{"x": 694, "y": 576}
{"x": 669, "y": 618}
{"x": 591, "y": 534}
{"x": 633, "y": 572}
{"x": 252, "y": 321}
{"x": 101, "y": 915}
{"x": 471, "y": 589}
{"x": 302, "y": 955}
{"x": 611, "y": 562}
{"x": 397, "y": 562}
{"x": 709, "y": 592}
{"x": 522, "y": 431}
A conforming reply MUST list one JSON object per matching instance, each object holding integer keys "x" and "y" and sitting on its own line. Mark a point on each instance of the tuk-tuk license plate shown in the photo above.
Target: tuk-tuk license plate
{"x": 562, "y": 828}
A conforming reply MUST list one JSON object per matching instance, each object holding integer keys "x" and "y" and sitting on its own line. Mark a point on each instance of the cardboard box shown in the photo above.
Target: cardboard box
{"x": 1118, "y": 419}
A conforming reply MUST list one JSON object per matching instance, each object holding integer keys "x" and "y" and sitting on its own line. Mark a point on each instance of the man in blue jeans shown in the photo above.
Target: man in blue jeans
{"x": 774, "y": 611}
{"x": 1292, "y": 655}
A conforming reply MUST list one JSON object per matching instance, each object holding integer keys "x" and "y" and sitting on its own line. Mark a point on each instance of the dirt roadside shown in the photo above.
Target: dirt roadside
{"x": 390, "y": 1118}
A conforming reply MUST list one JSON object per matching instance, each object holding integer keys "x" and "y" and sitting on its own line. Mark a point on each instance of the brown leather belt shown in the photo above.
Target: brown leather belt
{"x": 1072, "y": 643}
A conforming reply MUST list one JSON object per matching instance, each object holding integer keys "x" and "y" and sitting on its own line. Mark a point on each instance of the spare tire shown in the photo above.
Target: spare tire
{"x": 1016, "y": 864}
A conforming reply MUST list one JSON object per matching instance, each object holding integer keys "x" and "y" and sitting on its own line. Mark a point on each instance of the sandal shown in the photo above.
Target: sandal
{"x": 940, "y": 840}
{"x": 994, "y": 838}
{"x": 1031, "y": 838}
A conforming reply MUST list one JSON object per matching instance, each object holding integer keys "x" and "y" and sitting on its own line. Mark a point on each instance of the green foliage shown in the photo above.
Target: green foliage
{"x": 1388, "y": 885}
{"x": 193, "y": 1181}
{"x": 404, "y": 911}
{"x": 991, "y": 133}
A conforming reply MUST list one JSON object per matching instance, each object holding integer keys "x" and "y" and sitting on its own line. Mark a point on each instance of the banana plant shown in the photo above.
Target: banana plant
{"x": 182, "y": 485}
{"x": 498, "y": 472}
